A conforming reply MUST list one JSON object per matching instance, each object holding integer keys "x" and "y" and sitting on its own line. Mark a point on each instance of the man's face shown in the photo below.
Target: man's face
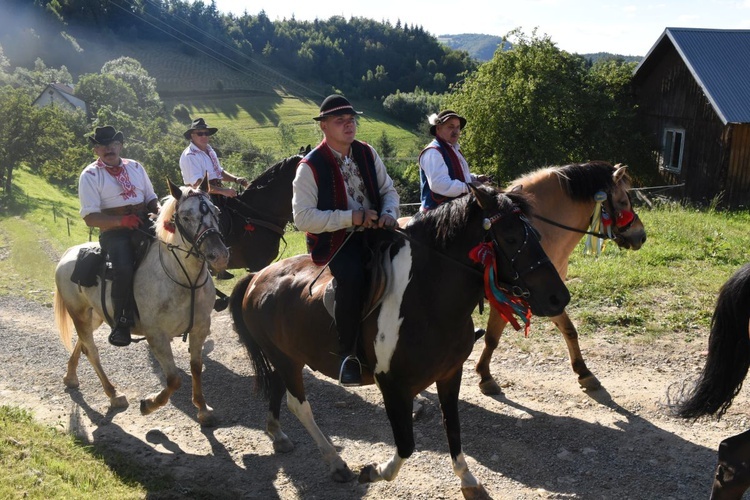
{"x": 340, "y": 129}
{"x": 449, "y": 131}
{"x": 109, "y": 153}
{"x": 200, "y": 138}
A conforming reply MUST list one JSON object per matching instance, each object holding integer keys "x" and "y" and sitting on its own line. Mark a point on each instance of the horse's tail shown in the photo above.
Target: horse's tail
{"x": 261, "y": 366}
{"x": 63, "y": 321}
{"x": 728, "y": 351}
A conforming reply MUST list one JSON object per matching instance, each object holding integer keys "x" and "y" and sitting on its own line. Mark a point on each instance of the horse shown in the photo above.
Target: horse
{"x": 564, "y": 201}
{"x": 421, "y": 333}
{"x": 720, "y": 381}
{"x": 259, "y": 216}
{"x": 173, "y": 291}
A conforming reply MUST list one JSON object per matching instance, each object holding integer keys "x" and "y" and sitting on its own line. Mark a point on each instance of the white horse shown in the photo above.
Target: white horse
{"x": 174, "y": 294}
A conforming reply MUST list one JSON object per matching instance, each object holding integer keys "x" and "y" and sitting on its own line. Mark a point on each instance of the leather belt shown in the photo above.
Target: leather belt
{"x": 139, "y": 209}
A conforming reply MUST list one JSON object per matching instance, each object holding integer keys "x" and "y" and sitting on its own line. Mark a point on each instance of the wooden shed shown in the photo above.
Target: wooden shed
{"x": 693, "y": 93}
{"x": 58, "y": 94}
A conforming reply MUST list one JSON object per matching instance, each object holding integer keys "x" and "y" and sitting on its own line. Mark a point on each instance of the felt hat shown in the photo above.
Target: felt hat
{"x": 442, "y": 117}
{"x": 105, "y": 135}
{"x": 335, "y": 104}
{"x": 199, "y": 124}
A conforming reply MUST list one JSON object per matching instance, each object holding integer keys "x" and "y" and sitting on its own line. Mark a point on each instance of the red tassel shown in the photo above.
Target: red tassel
{"x": 624, "y": 218}
{"x": 249, "y": 227}
{"x": 169, "y": 226}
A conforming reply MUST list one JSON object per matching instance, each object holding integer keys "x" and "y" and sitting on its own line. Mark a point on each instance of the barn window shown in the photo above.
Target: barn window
{"x": 674, "y": 142}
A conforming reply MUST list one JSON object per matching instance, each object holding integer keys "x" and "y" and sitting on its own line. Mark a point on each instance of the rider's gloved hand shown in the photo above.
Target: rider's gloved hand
{"x": 131, "y": 221}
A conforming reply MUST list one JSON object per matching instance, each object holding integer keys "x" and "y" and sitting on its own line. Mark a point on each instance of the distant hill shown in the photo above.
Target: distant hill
{"x": 483, "y": 47}
{"x": 480, "y": 47}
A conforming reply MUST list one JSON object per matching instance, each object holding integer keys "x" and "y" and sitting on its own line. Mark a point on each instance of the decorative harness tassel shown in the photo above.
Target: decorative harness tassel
{"x": 600, "y": 221}
{"x": 507, "y": 306}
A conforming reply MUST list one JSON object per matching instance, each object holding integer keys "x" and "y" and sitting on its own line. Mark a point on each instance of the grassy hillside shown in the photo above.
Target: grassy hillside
{"x": 258, "y": 117}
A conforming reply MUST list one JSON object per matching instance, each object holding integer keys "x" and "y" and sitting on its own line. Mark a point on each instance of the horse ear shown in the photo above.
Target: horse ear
{"x": 174, "y": 190}
{"x": 204, "y": 184}
{"x": 620, "y": 172}
{"x": 484, "y": 199}
{"x": 517, "y": 188}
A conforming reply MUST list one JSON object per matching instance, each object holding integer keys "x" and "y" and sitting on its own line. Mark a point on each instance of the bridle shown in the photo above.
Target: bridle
{"x": 608, "y": 208}
{"x": 201, "y": 233}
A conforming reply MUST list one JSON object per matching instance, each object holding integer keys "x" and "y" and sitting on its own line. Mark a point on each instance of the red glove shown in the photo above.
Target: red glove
{"x": 131, "y": 221}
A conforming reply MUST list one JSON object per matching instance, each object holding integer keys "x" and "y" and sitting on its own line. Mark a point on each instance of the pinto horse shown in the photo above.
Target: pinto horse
{"x": 259, "y": 216}
{"x": 421, "y": 333}
{"x": 563, "y": 207}
{"x": 174, "y": 295}
{"x": 721, "y": 380}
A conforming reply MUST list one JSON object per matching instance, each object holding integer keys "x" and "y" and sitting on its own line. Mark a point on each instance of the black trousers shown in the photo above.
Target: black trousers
{"x": 348, "y": 267}
{"x": 118, "y": 245}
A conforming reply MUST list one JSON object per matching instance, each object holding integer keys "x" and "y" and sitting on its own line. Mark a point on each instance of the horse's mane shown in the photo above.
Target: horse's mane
{"x": 165, "y": 229}
{"x": 580, "y": 181}
{"x": 446, "y": 222}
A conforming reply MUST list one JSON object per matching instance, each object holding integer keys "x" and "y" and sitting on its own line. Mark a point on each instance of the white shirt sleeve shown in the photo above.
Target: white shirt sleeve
{"x": 433, "y": 165}
{"x": 88, "y": 194}
{"x": 307, "y": 216}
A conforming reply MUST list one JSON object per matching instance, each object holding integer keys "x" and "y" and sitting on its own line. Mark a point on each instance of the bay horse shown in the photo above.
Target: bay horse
{"x": 564, "y": 201}
{"x": 721, "y": 380}
{"x": 421, "y": 333}
{"x": 173, "y": 291}
{"x": 259, "y": 216}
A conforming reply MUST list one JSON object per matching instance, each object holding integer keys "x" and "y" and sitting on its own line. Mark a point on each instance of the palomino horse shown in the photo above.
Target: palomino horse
{"x": 259, "y": 216}
{"x": 721, "y": 380}
{"x": 173, "y": 291}
{"x": 563, "y": 206}
{"x": 421, "y": 333}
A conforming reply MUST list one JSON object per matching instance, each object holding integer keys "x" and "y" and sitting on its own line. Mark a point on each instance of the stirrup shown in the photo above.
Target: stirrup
{"x": 348, "y": 383}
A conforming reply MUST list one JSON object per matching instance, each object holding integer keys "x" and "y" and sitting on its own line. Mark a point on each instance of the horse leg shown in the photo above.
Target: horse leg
{"x": 448, "y": 390}
{"x": 85, "y": 329}
{"x": 206, "y": 415}
{"x": 163, "y": 353}
{"x": 495, "y": 326}
{"x": 281, "y": 442}
{"x": 586, "y": 379}
{"x": 732, "y": 477}
{"x": 398, "y": 406}
{"x": 299, "y": 406}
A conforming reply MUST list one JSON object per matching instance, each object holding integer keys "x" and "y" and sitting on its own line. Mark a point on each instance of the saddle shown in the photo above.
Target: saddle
{"x": 380, "y": 276}
{"x": 92, "y": 264}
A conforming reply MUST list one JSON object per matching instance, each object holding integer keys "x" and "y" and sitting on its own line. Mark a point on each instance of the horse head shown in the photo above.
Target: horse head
{"x": 522, "y": 264}
{"x": 627, "y": 231}
{"x": 190, "y": 216}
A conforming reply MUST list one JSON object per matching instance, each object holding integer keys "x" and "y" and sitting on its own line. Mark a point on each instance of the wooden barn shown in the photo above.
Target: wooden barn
{"x": 693, "y": 93}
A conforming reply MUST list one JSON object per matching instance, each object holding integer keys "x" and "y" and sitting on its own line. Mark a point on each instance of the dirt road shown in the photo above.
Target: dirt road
{"x": 544, "y": 438}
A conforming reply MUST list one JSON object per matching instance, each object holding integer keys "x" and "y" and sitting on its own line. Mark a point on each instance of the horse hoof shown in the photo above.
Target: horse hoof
{"x": 207, "y": 419}
{"x": 490, "y": 388}
{"x": 283, "y": 445}
{"x": 343, "y": 475}
{"x": 368, "y": 474}
{"x": 119, "y": 402}
{"x": 147, "y": 407}
{"x": 71, "y": 382}
{"x": 476, "y": 493}
{"x": 589, "y": 382}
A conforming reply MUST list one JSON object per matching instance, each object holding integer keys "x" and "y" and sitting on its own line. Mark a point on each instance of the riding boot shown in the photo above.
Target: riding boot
{"x": 120, "y": 335}
{"x": 350, "y": 373}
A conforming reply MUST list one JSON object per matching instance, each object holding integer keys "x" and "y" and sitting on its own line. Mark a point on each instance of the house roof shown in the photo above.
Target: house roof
{"x": 66, "y": 93}
{"x": 719, "y": 60}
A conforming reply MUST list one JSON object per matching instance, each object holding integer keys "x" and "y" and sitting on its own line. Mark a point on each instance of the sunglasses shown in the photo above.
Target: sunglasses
{"x": 201, "y": 134}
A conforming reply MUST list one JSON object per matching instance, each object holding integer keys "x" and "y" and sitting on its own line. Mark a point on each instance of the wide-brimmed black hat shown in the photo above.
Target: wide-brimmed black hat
{"x": 442, "y": 117}
{"x": 335, "y": 104}
{"x": 105, "y": 135}
{"x": 199, "y": 124}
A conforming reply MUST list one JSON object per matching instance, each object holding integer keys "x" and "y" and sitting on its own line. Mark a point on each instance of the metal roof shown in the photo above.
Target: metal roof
{"x": 719, "y": 60}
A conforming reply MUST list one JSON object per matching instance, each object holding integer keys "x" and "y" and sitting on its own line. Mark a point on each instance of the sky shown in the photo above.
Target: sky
{"x": 585, "y": 26}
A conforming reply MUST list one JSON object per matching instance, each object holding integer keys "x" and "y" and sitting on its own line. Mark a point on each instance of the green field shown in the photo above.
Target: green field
{"x": 258, "y": 117}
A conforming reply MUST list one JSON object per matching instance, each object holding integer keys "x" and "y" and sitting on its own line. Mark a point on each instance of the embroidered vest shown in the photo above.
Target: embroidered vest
{"x": 332, "y": 193}
{"x": 429, "y": 199}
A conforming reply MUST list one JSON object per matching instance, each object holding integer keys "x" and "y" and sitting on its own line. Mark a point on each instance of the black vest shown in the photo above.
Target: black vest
{"x": 332, "y": 192}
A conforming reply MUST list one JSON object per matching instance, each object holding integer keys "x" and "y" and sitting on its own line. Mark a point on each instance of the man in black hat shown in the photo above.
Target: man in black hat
{"x": 443, "y": 170}
{"x": 342, "y": 186}
{"x": 116, "y": 196}
{"x": 199, "y": 159}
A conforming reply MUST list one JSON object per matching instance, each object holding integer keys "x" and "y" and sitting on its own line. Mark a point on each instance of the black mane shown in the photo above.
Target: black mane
{"x": 582, "y": 181}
